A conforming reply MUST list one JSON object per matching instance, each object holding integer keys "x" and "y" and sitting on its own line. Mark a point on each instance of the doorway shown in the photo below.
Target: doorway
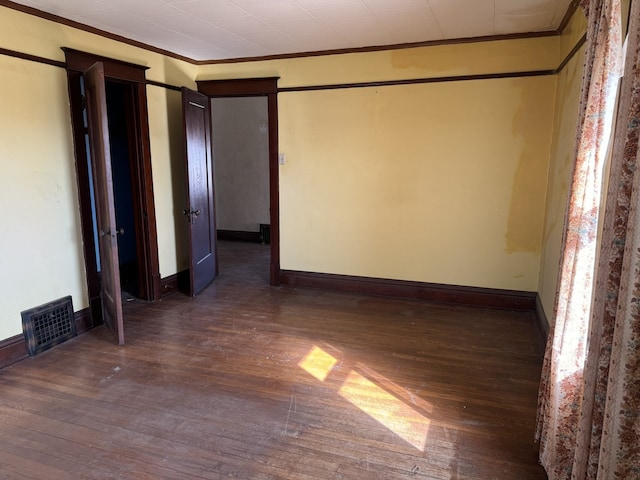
{"x": 122, "y": 168}
{"x": 241, "y": 165}
{"x": 131, "y": 165}
{"x": 268, "y": 89}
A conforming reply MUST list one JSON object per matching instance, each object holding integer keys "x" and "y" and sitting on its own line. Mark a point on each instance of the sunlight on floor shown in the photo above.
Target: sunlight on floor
{"x": 375, "y": 401}
{"x": 383, "y": 407}
{"x": 318, "y": 363}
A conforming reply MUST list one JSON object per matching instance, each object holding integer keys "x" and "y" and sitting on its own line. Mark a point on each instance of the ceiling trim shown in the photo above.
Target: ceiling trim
{"x": 244, "y": 87}
{"x": 573, "y": 6}
{"x": 380, "y": 48}
{"x": 96, "y": 31}
{"x": 112, "y": 36}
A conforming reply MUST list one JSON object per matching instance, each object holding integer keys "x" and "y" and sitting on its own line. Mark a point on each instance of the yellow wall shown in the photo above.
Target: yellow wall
{"x": 169, "y": 181}
{"x": 562, "y": 154}
{"x": 41, "y": 248}
{"x": 423, "y": 62}
{"x": 440, "y": 182}
{"x": 404, "y": 183}
{"x": 40, "y": 236}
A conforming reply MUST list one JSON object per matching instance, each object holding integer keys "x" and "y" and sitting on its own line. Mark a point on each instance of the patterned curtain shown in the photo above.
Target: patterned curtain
{"x": 589, "y": 403}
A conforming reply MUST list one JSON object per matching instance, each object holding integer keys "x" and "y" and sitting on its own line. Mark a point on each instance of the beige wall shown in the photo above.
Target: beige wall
{"x": 41, "y": 243}
{"x": 562, "y": 154}
{"x": 440, "y": 182}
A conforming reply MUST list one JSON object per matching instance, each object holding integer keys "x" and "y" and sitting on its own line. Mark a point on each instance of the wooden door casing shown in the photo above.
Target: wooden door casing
{"x": 146, "y": 230}
{"x": 267, "y": 86}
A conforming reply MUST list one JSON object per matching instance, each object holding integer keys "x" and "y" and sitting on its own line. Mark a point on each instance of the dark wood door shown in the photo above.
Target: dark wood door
{"x": 96, "y": 101}
{"x": 199, "y": 212}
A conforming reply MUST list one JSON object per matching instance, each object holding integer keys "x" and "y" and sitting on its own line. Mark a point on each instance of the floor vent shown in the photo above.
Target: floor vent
{"x": 265, "y": 233}
{"x": 48, "y": 325}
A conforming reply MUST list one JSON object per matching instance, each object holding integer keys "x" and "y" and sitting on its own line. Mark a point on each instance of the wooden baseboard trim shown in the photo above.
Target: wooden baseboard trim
{"x": 83, "y": 320}
{"x": 542, "y": 322}
{"x": 178, "y": 282}
{"x": 239, "y": 236}
{"x": 168, "y": 285}
{"x": 450, "y": 294}
{"x": 14, "y": 349}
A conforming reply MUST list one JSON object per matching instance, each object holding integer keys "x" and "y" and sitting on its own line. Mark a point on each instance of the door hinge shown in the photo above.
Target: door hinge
{"x": 84, "y": 102}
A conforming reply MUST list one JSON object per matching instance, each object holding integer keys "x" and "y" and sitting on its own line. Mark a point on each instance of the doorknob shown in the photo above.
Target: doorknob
{"x": 108, "y": 233}
{"x": 191, "y": 213}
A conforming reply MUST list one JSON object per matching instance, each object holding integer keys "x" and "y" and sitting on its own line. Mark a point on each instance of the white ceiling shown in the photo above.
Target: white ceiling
{"x": 223, "y": 29}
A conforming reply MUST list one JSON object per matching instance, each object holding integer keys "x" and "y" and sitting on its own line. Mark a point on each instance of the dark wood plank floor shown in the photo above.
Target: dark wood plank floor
{"x": 256, "y": 382}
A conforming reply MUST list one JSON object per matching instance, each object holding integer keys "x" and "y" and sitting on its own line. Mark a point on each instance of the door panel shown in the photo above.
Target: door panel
{"x": 200, "y": 214}
{"x": 98, "y": 130}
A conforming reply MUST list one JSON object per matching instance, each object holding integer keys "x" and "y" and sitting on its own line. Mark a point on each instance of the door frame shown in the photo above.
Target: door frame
{"x": 134, "y": 76}
{"x": 259, "y": 87}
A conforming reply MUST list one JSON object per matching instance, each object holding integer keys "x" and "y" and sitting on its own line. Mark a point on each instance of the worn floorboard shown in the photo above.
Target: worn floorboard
{"x": 251, "y": 381}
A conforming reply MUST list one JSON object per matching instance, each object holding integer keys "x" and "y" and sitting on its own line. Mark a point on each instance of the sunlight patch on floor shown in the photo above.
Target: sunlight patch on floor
{"x": 377, "y": 402}
{"x": 318, "y": 363}
{"x": 386, "y": 409}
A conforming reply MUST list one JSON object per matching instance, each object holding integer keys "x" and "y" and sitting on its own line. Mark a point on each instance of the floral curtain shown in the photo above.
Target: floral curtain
{"x": 589, "y": 402}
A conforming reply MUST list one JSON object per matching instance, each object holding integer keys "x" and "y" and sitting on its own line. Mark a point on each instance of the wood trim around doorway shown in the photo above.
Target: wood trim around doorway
{"x": 134, "y": 76}
{"x": 259, "y": 87}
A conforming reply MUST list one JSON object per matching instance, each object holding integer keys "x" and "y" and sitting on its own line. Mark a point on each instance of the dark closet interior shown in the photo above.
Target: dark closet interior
{"x": 122, "y": 167}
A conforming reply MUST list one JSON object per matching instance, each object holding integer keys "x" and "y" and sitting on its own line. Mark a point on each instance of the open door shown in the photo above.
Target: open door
{"x": 98, "y": 132}
{"x": 203, "y": 261}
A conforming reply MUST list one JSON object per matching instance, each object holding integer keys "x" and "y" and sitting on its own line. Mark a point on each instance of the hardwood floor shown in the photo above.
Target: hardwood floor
{"x": 250, "y": 381}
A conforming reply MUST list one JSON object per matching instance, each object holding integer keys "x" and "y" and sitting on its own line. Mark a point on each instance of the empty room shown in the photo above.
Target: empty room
{"x": 309, "y": 239}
